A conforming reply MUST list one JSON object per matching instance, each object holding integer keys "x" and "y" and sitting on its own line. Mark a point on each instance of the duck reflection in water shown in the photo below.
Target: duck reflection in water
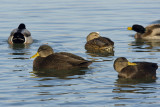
{"x": 141, "y": 45}
{"x": 62, "y": 74}
{"x": 140, "y": 86}
{"x": 19, "y": 46}
{"x": 19, "y": 50}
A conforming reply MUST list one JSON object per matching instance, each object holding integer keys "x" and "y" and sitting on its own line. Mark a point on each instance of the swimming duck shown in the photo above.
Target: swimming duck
{"x": 149, "y": 32}
{"x": 96, "y": 43}
{"x": 47, "y": 59}
{"x": 135, "y": 70}
{"x": 20, "y": 35}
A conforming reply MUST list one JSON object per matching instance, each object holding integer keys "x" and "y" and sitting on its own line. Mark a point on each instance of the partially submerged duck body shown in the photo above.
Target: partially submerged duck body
{"x": 135, "y": 70}
{"x": 149, "y": 32}
{"x": 96, "y": 43}
{"x": 47, "y": 59}
{"x": 20, "y": 35}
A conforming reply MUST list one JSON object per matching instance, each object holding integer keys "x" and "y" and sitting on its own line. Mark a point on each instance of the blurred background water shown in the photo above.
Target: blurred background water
{"x": 64, "y": 25}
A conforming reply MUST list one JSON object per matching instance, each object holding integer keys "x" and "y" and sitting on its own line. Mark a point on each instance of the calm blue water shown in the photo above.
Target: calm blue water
{"x": 64, "y": 25}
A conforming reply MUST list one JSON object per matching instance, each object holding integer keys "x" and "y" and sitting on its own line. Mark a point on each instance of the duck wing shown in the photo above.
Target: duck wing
{"x": 13, "y": 31}
{"x": 153, "y": 30}
{"x": 141, "y": 70}
{"x": 71, "y": 55}
{"x": 59, "y": 61}
{"x": 128, "y": 72}
{"x": 101, "y": 42}
{"x": 25, "y": 32}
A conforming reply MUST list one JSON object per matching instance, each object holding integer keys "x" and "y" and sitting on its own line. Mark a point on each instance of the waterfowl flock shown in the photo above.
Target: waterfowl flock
{"x": 46, "y": 58}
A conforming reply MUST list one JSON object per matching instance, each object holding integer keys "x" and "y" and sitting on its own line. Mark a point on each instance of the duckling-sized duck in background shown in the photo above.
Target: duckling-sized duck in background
{"x": 47, "y": 59}
{"x": 20, "y": 35}
{"x": 149, "y": 32}
{"x": 135, "y": 70}
{"x": 96, "y": 43}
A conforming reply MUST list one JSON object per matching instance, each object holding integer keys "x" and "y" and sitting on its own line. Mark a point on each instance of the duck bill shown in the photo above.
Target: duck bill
{"x": 37, "y": 54}
{"x": 130, "y": 63}
{"x": 129, "y": 28}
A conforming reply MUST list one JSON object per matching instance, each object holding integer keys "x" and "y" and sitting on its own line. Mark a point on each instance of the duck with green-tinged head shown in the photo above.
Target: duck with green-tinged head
{"x": 135, "y": 70}
{"x": 149, "y": 32}
{"x": 96, "y": 43}
{"x": 47, "y": 59}
{"x": 20, "y": 35}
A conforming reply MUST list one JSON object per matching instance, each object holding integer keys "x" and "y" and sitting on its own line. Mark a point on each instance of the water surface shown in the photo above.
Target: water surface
{"x": 64, "y": 25}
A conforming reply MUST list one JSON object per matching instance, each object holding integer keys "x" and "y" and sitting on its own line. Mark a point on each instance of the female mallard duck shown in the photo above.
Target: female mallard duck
{"x": 149, "y": 32}
{"x": 96, "y": 43}
{"x": 47, "y": 59}
{"x": 136, "y": 70}
{"x": 20, "y": 35}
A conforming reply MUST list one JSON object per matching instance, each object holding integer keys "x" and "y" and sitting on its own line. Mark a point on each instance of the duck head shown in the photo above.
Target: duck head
{"x": 18, "y": 37}
{"x": 43, "y": 51}
{"x": 22, "y": 26}
{"x": 137, "y": 28}
{"x": 92, "y": 35}
{"x": 121, "y": 63}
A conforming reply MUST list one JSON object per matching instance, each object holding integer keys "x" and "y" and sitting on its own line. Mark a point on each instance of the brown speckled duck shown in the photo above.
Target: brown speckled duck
{"x": 135, "y": 70}
{"x": 20, "y": 35}
{"x": 149, "y": 32}
{"x": 96, "y": 43}
{"x": 47, "y": 59}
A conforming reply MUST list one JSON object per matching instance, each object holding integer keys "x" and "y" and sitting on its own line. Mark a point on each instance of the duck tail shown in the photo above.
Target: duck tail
{"x": 85, "y": 64}
{"x": 18, "y": 38}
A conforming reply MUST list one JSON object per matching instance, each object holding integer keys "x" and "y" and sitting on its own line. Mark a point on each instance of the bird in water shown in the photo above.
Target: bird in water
{"x": 20, "y": 35}
{"x": 47, "y": 59}
{"x": 150, "y": 32}
{"x": 96, "y": 43}
{"x": 135, "y": 70}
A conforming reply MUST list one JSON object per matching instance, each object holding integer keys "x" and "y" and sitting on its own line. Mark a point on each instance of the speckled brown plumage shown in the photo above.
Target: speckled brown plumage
{"x": 101, "y": 44}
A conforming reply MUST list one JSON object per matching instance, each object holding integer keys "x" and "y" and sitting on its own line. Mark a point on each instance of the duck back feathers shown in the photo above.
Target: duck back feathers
{"x": 141, "y": 70}
{"x": 99, "y": 44}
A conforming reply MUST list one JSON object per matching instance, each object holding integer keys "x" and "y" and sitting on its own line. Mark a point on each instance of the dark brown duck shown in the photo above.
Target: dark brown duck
{"x": 47, "y": 59}
{"x": 135, "y": 70}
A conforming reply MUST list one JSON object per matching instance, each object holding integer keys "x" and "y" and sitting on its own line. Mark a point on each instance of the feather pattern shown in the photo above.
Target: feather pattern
{"x": 20, "y": 35}
{"x": 99, "y": 44}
